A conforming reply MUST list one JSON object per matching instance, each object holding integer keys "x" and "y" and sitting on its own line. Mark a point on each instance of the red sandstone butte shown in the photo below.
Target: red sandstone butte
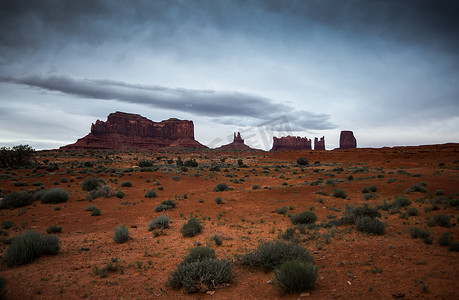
{"x": 291, "y": 143}
{"x": 236, "y": 145}
{"x": 347, "y": 140}
{"x": 132, "y": 131}
{"x": 319, "y": 144}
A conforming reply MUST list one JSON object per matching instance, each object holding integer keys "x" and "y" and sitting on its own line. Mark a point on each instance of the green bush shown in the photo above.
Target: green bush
{"x": 121, "y": 234}
{"x": 219, "y": 200}
{"x": 295, "y": 276}
{"x": 417, "y": 232}
{"x": 151, "y": 194}
{"x": 415, "y": 188}
{"x": 441, "y": 220}
{"x": 91, "y": 183}
{"x": 119, "y": 194}
{"x": 7, "y": 224}
{"x": 445, "y": 239}
{"x": 165, "y": 205}
{"x": 54, "y": 229}
{"x": 339, "y": 193}
{"x": 160, "y": 222}
{"x": 302, "y": 161}
{"x": 191, "y": 228}
{"x": 401, "y": 201}
{"x": 101, "y": 191}
{"x": 351, "y": 214}
{"x": 272, "y": 254}
{"x": 412, "y": 211}
{"x": 282, "y": 210}
{"x": 30, "y": 245}
{"x": 16, "y": 199}
{"x": 217, "y": 239}
{"x": 94, "y": 210}
{"x": 17, "y": 156}
{"x": 55, "y": 195}
{"x": 369, "y": 189}
{"x": 145, "y": 163}
{"x": 255, "y": 187}
{"x": 126, "y": 184}
{"x": 439, "y": 192}
{"x": 370, "y": 225}
{"x": 200, "y": 275}
{"x": 306, "y": 217}
{"x": 199, "y": 253}
{"x": 191, "y": 163}
{"x": 221, "y": 187}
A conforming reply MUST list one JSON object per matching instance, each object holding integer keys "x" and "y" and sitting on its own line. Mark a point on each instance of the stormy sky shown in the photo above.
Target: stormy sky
{"x": 388, "y": 70}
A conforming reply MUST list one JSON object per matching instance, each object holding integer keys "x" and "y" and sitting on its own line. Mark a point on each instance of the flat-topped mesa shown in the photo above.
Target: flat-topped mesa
{"x": 347, "y": 140}
{"x": 319, "y": 144}
{"x": 291, "y": 143}
{"x": 132, "y": 131}
{"x": 236, "y": 145}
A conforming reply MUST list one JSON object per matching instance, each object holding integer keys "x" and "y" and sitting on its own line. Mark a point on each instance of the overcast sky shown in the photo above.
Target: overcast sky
{"x": 388, "y": 70}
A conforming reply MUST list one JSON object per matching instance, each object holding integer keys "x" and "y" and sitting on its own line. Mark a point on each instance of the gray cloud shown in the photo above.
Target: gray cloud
{"x": 247, "y": 109}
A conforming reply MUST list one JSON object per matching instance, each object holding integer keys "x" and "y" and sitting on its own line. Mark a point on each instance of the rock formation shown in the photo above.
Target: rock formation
{"x": 131, "y": 131}
{"x": 291, "y": 143}
{"x": 236, "y": 145}
{"x": 319, "y": 144}
{"x": 347, "y": 140}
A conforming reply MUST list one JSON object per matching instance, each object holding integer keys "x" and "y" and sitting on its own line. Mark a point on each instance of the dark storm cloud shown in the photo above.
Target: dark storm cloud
{"x": 247, "y": 109}
{"x": 30, "y": 26}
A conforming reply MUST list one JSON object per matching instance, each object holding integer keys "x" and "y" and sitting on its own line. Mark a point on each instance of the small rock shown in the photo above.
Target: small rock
{"x": 350, "y": 283}
{"x": 270, "y": 282}
{"x": 316, "y": 252}
{"x": 211, "y": 292}
{"x": 305, "y": 295}
{"x": 133, "y": 226}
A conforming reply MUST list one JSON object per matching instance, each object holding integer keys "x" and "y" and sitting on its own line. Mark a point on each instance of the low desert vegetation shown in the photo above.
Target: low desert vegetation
{"x": 339, "y": 193}
{"x": 16, "y": 199}
{"x": 55, "y": 195}
{"x": 121, "y": 234}
{"x": 306, "y": 217}
{"x": 221, "y": 187}
{"x": 191, "y": 228}
{"x": 160, "y": 222}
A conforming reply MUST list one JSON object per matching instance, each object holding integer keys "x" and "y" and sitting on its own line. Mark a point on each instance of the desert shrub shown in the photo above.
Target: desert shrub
{"x": 191, "y": 163}
{"x": 446, "y": 239}
{"x": 255, "y": 187}
{"x": 217, "y": 239}
{"x": 368, "y": 196}
{"x": 282, "y": 210}
{"x": 160, "y": 222}
{"x": 54, "y": 229}
{"x": 200, "y": 275}
{"x": 151, "y": 194}
{"x": 221, "y": 187}
{"x": 288, "y": 234}
{"x": 199, "y": 253}
{"x": 369, "y": 189}
{"x": 370, "y": 225}
{"x": 121, "y": 234}
{"x": 16, "y": 199}
{"x": 55, "y": 195}
{"x": 2, "y": 288}
{"x": 295, "y": 276}
{"x": 101, "y": 191}
{"x": 91, "y": 183}
{"x": 145, "y": 163}
{"x": 126, "y": 184}
{"x": 417, "y": 232}
{"x": 219, "y": 200}
{"x": 441, "y": 220}
{"x": 439, "y": 192}
{"x": 191, "y": 228}
{"x": 30, "y": 245}
{"x": 165, "y": 205}
{"x": 19, "y": 183}
{"x": 119, "y": 194}
{"x": 454, "y": 247}
{"x": 412, "y": 211}
{"x": 339, "y": 193}
{"x": 7, "y": 224}
{"x": 94, "y": 210}
{"x": 401, "y": 201}
{"x": 17, "y": 156}
{"x": 351, "y": 214}
{"x": 306, "y": 217}
{"x": 454, "y": 203}
{"x": 302, "y": 161}
{"x": 415, "y": 188}
{"x": 269, "y": 255}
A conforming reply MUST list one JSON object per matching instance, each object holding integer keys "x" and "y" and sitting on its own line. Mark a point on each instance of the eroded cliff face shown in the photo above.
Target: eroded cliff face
{"x": 291, "y": 143}
{"x": 347, "y": 140}
{"x": 319, "y": 144}
{"x": 132, "y": 131}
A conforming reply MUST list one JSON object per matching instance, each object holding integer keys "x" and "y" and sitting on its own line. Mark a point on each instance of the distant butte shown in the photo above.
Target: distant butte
{"x": 291, "y": 143}
{"x": 347, "y": 140}
{"x": 132, "y": 131}
{"x": 237, "y": 145}
{"x": 319, "y": 144}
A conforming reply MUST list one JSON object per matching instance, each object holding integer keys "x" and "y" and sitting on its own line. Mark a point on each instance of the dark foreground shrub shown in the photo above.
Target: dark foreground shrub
{"x": 121, "y": 234}
{"x": 94, "y": 210}
{"x": 272, "y": 254}
{"x": 219, "y": 200}
{"x": 302, "y": 161}
{"x": 440, "y": 220}
{"x": 55, "y": 195}
{"x": 54, "y": 229}
{"x": 166, "y": 205}
{"x": 295, "y": 276}
{"x": 151, "y": 194}
{"x": 30, "y": 245}
{"x": 199, "y": 253}
{"x": 126, "y": 184}
{"x": 221, "y": 187}
{"x": 351, "y": 214}
{"x": 145, "y": 163}
{"x": 445, "y": 239}
{"x": 339, "y": 193}
{"x": 7, "y": 224}
{"x": 306, "y": 217}
{"x": 160, "y": 222}
{"x": 16, "y": 199}
{"x": 2, "y": 288}
{"x": 417, "y": 232}
{"x": 101, "y": 191}
{"x": 191, "y": 228}
{"x": 91, "y": 183}
{"x": 370, "y": 225}
{"x": 200, "y": 275}
{"x": 217, "y": 239}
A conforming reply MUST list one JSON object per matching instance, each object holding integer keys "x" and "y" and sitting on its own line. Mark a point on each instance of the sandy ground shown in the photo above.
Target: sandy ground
{"x": 351, "y": 264}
